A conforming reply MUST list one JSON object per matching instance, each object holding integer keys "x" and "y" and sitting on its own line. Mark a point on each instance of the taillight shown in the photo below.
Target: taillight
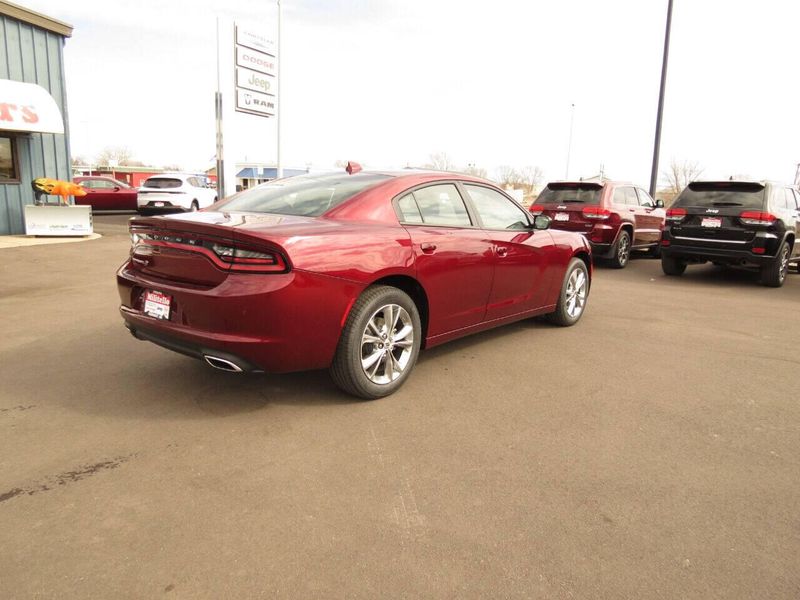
{"x": 596, "y": 212}
{"x": 242, "y": 259}
{"x": 536, "y": 210}
{"x": 676, "y": 214}
{"x": 754, "y": 217}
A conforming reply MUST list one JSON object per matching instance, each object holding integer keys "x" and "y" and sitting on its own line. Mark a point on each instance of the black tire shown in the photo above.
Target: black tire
{"x": 347, "y": 371}
{"x": 774, "y": 274}
{"x": 563, "y": 315}
{"x": 622, "y": 250}
{"x": 194, "y": 207}
{"x": 655, "y": 251}
{"x": 672, "y": 266}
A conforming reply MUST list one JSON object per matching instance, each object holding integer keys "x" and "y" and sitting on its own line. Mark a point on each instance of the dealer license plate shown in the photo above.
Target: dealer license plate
{"x": 562, "y": 217}
{"x": 157, "y": 304}
{"x": 711, "y": 222}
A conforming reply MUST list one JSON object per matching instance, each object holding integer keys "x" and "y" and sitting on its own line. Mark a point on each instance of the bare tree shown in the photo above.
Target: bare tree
{"x": 531, "y": 177}
{"x": 507, "y": 175}
{"x": 79, "y": 161}
{"x": 679, "y": 174}
{"x": 121, "y": 154}
{"x": 439, "y": 161}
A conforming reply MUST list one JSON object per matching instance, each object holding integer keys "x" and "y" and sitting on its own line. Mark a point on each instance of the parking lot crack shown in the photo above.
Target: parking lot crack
{"x": 65, "y": 478}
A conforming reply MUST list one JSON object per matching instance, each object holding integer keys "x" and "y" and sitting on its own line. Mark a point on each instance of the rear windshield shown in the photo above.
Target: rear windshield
{"x": 724, "y": 193}
{"x": 163, "y": 183}
{"x": 305, "y": 195}
{"x": 564, "y": 193}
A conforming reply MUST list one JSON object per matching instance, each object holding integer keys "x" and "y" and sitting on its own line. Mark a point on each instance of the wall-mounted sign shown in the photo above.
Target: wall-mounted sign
{"x": 255, "y": 103}
{"x": 255, "y": 81}
{"x": 28, "y": 107}
{"x": 255, "y": 40}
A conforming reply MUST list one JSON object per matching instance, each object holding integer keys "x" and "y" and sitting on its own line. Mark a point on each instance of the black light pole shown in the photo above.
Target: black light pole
{"x": 657, "y": 147}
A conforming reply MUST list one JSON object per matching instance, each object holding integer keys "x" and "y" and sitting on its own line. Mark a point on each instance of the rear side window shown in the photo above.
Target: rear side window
{"x": 442, "y": 205}
{"x": 407, "y": 207}
{"x": 564, "y": 193}
{"x": 495, "y": 210}
{"x": 723, "y": 193}
{"x": 163, "y": 183}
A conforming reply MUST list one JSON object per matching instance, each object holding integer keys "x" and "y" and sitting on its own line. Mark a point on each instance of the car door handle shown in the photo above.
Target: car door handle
{"x": 632, "y": 209}
{"x": 427, "y": 247}
{"x": 502, "y": 251}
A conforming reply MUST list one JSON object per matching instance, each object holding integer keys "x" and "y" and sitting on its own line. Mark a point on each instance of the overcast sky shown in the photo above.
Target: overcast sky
{"x": 387, "y": 83}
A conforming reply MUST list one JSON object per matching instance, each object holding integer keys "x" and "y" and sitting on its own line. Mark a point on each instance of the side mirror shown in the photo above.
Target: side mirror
{"x": 659, "y": 203}
{"x": 116, "y": 188}
{"x": 541, "y": 222}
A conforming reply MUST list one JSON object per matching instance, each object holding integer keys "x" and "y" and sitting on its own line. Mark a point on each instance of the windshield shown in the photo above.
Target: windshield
{"x": 565, "y": 193}
{"x": 163, "y": 183}
{"x": 724, "y": 193}
{"x": 304, "y": 196}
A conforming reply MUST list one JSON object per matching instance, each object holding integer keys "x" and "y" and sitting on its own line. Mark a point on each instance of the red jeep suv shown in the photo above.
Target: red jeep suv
{"x": 615, "y": 217}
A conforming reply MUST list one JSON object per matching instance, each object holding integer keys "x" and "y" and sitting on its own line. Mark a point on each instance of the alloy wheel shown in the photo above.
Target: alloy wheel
{"x": 576, "y": 293}
{"x": 387, "y": 344}
{"x": 623, "y": 250}
{"x": 784, "y": 263}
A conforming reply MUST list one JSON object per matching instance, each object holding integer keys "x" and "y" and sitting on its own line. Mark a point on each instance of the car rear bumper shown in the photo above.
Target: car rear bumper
{"x": 260, "y": 322}
{"x": 759, "y": 251}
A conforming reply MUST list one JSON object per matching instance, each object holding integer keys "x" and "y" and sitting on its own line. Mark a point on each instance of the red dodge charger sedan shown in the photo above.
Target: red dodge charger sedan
{"x": 351, "y": 272}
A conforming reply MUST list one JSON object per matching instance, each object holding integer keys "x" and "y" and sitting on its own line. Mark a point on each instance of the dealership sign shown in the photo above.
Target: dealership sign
{"x": 28, "y": 107}
{"x": 256, "y": 72}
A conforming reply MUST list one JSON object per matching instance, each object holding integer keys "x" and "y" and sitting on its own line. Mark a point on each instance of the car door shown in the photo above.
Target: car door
{"x": 99, "y": 193}
{"x": 522, "y": 271}
{"x": 650, "y": 219}
{"x": 453, "y": 257}
{"x": 636, "y": 213}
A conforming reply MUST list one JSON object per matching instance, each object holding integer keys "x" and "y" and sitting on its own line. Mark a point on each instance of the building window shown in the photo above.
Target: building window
{"x": 9, "y": 173}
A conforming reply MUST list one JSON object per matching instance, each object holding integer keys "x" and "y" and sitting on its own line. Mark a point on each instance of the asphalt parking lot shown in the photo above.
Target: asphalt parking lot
{"x": 651, "y": 451}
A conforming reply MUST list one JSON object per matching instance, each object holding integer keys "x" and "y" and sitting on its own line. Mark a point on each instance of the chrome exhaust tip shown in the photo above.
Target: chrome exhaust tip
{"x": 222, "y": 364}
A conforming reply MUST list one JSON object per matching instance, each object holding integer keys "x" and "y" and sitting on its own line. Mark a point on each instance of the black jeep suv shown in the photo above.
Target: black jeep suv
{"x": 737, "y": 223}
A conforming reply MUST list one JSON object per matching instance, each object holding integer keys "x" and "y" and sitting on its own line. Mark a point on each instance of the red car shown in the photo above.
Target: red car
{"x": 615, "y": 217}
{"x": 355, "y": 273}
{"x": 105, "y": 193}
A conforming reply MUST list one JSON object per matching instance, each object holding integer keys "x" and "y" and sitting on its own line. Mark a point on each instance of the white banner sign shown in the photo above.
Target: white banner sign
{"x": 253, "y": 80}
{"x": 258, "y": 61}
{"x": 255, "y": 40}
{"x": 255, "y": 103}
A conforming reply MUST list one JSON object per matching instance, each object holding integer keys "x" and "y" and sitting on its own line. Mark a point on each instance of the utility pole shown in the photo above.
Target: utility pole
{"x": 218, "y": 117}
{"x": 569, "y": 143}
{"x": 657, "y": 145}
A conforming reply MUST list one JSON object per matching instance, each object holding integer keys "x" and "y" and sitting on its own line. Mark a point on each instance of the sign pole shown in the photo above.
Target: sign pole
{"x": 218, "y": 114}
{"x": 278, "y": 80}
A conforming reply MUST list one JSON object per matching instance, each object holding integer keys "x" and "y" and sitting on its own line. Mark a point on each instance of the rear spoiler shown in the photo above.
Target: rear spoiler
{"x": 731, "y": 186}
{"x": 575, "y": 185}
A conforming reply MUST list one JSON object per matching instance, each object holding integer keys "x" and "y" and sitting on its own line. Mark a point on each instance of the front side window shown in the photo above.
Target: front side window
{"x": 645, "y": 199}
{"x": 8, "y": 160}
{"x": 304, "y": 195}
{"x": 495, "y": 210}
{"x": 442, "y": 205}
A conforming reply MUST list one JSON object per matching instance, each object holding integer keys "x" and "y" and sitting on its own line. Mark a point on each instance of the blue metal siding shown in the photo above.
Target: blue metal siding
{"x": 33, "y": 55}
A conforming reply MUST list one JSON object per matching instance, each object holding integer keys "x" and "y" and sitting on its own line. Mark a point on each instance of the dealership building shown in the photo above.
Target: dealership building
{"x": 34, "y": 132}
